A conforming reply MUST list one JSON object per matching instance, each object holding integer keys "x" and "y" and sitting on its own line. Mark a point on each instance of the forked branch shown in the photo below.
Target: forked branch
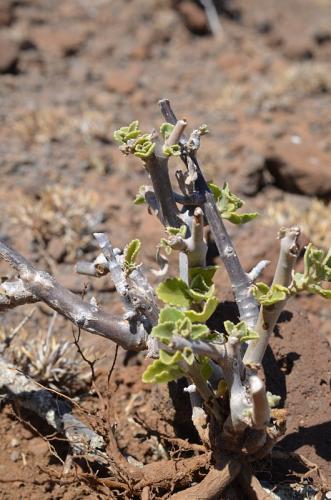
{"x": 41, "y": 286}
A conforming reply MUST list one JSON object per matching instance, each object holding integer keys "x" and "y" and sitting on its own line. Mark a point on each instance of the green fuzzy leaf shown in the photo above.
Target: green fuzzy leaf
{"x": 173, "y": 150}
{"x": 140, "y": 196}
{"x": 240, "y": 330}
{"x": 273, "y": 400}
{"x": 200, "y": 332}
{"x": 228, "y": 201}
{"x": 317, "y": 264}
{"x": 184, "y": 327}
{"x": 236, "y": 218}
{"x": 166, "y": 129}
{"x": 208, "y": 309}
{"x": 124, "y": 134}
{"x": 207, "y": 273}
{"x": 268, "y": 296}
{"x": 174, "y": 231}
{"x": 165, "y": 369}
{"x": 318, "y": 290}
{"x": 229, "y": 327}
{"x": 130, "y": 254}
{"x": 165, "y": 245}
{"x": 164, "y": 331}
{"x": 205, "y": 367}
{"x": 216, "y": 190}
{"x": 174, "y": 291}
{"x": 198, "y": 296}
{"x": 228, "y": 204}
{"x": 170, "y": 314}
{"x": 144, "y": 150}
{"x": 134, "y": 126}
{"x": 188, "y": 356}
{"x": 300, "y": 281}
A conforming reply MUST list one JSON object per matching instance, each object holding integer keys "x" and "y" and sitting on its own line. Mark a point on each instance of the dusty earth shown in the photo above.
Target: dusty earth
{"x": 74, "y": 71}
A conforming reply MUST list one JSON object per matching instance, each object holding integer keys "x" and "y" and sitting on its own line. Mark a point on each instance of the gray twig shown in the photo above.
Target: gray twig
{"x": 137, "y": 294}
{"x": 42, "y": 286}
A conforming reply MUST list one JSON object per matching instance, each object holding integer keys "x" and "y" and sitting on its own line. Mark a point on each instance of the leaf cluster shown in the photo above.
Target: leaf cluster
{"x": 317, "y": 270}
{"x": 133, "y": 141}
{"x": 241, "y": 331}
{"x": 187, "y": 310}
{"x": 228, "y": 203}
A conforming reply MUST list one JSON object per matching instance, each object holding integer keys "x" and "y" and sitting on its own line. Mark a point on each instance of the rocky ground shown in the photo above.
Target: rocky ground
{"x": 71, "y": 72}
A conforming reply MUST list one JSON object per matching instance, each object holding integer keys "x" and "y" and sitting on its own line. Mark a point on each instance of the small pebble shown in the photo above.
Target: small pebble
{"x": 15, "y": 456}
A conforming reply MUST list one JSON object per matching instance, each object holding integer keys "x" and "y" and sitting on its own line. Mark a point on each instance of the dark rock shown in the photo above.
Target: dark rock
{"x": 9, "y": 52}
{"x": 322, "y": 37}
{"x": 297, "y": 169}
{"x": 252, "y": 173}
{"x": 6, "y": 12}
{"x": 194, "y": 17}
{"x": 264, "y": 27}
{"x": 56, "y": 249}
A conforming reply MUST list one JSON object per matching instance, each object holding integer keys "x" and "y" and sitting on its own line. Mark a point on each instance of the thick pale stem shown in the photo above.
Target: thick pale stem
{"x": 233, "y": 369}
{"x": 261, "y": 410}
{"x": 207, "y": 394}
{"x": 196, "y": 244}
{"x": 268, "y": 316}
{"x": 177, "y": 132}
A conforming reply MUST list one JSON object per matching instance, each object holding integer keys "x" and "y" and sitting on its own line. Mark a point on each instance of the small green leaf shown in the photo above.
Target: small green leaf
{"x": 164, "y": 331}
{"x": 174, "y": 231}
{"x": 165, "y": 369}
{"x": 228, "y": 204}
{"x": 318, "y": 290}
{"x": 173, "y": 150}
{"x": 166, "y": 129}
{"x": 300, "y": 281}
{"x": 273, "y": 400}
{"x": 140, "y": 196}
{"x": 198, "y": 296}
{"x": 134, "y": 126}
{"x": 130, "y": 254}
{"x": 188, "y": 356}
{"x": 170, "y": 314}
{"x": 216, "y": 190}
{"x": 268, "y": 296}
{"x": 207, "y": 273}
{"x": 144, "y": 150}
{"x": 124, "y": 134}
{"x": 236, "y": 218}
{"x": 208, "y": 309}
{"x": 229, "y": 327}
{"x": 240, "y": 330}
{"x": 174, "y": 291}
{"x": 205, "y": 367}
{"x": 317, "y": 264}
{"x": 184, "y": 327}
{"x": 200, "y": 332}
